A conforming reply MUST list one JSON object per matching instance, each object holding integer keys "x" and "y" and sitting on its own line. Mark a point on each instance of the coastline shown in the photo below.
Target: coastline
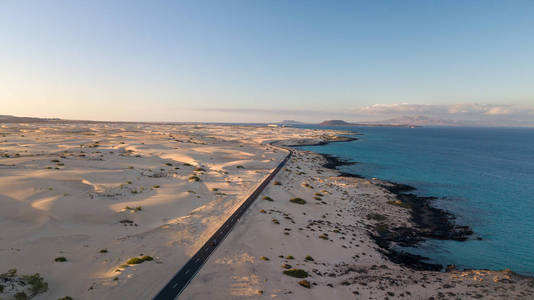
{"x": 431, "y": 222}
{"x": 313, "y": 221}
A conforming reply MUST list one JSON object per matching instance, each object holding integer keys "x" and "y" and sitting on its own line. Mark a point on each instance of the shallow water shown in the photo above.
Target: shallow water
{"x": 485, "y": 176}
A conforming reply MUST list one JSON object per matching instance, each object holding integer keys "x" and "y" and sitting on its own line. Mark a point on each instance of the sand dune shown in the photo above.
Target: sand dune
{"x": 99, "y": 194}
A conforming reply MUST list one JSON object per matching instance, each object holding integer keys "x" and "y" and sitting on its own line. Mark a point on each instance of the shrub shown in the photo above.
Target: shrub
{"x": 200, "y": 170}
{"x": 376, "y": 217}
{"x": 286, "y": 266}
{"x": 194, "y": 178}
{"x": 399, "y": 203}
{"x": 168, "y": 164}
{"x": 264, "y": 258}
{"x": 275, "y": 221}
{"x": 60, "y": 259}
{"x": 318, "y": 194}
{"x": 239, "y": 167}
{"x": 134, "y": 209}
{"x": 317, "y": 198}
{"x": 104, "y": 251}
{"x": 305, "y": 283}
{"x": 297, "y": 273}
{"x": 382, "y": 228}
{"x": 277, "y": 183}
{"x": 298, "y": 200}
{"x": 21, "y": 296}
{"x": 267, "y": 198}
{"x": 139, "y": 260}
{"x": 38, "y": 285}
{"x": 324, "y": 237}
{"x": 156, "y": 186}
{"x": 290, "y": 257}
{"x": 308, "y": 258}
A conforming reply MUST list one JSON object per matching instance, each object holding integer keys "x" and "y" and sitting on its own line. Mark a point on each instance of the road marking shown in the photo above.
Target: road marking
{"x": 175, "y": 285}
{"x": 187, "y": 271}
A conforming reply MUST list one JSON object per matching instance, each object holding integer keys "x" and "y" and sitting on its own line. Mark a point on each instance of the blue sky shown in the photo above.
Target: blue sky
{"x": 266, "y": 60}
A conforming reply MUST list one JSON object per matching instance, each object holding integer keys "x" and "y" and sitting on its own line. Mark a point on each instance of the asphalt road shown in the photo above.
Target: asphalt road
{"x": 179, "y": 282}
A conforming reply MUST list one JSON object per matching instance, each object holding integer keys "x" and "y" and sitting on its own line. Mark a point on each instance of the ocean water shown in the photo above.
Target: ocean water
{"x": 485, "y": 176}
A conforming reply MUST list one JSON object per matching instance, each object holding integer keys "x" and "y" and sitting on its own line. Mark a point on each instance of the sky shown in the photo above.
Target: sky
{"x": 263, "y": 61}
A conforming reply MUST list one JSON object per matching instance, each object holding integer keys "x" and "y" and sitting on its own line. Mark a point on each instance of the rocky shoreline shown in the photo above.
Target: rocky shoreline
{"x": 430, "y": 222}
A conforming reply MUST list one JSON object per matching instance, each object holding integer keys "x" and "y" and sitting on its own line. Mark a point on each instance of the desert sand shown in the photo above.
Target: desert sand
{"x": 79, "y": 200}
{"x": 99, "y": 194}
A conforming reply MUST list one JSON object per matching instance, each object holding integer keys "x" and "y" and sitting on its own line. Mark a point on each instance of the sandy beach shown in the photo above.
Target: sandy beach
{"x": 112, "y": 210}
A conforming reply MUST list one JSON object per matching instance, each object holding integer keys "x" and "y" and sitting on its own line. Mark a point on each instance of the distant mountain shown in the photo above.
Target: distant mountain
{"x": 335, "y": 123}
{"x": 13, "y": 119}
{"x": 417, "y": 121}
{"x": 289, "y": 122}
{"x": 344, "y": 123}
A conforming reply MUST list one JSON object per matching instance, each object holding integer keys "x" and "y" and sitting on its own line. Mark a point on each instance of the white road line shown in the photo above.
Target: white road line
{"x": 175, "y": 285}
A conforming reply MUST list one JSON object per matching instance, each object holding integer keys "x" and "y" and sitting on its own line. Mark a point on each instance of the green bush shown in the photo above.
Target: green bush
{"x": 376, "y": 217}
{"x": 277, "y": 183}
{"x": 133, "y": 209}
{"x": 60, "y": 259}
{"x": 308, "y": 258}
{"x": 138, "y": 260}
{"x": 38, "y": 285}
{"x": 194, "y": 178}
{"x": 382, "y": 228}
{"x": 298, "y": 200}
{"x": 297, "y": 273}
{"x": 65, "y": 298}
{"x": 267, "y": 198}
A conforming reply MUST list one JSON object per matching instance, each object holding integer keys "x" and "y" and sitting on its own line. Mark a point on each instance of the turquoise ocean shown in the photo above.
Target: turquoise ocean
{"x": 484, "y": 176}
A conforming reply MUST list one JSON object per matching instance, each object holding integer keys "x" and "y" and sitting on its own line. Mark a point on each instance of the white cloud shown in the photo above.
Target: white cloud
{"x": 498, "y": 110}
{"x": 452, "y": 110}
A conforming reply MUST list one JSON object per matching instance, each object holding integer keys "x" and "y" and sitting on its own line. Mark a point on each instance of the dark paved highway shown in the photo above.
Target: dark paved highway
{"x": 179, "y": 282}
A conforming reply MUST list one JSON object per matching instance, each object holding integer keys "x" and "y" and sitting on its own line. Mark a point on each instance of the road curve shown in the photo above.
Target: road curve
{"x": 179, "y": 282}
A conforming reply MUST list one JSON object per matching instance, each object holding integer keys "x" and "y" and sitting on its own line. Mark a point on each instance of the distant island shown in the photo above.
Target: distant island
{"x": 290, "y": 122}
{"x": 345, "y": 123}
